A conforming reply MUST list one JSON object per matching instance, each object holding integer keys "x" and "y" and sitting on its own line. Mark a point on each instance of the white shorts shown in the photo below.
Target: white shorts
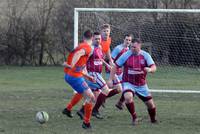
{"x": 100, "y": 82}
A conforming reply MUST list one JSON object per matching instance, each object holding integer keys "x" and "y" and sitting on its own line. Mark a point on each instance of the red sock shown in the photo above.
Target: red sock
{"x": 122, "y": 98}
{"x": 87, "y": 112}
{"x": 152, "y": 114}
{"x": 112, "y": 93}
{"x": 131, "y": 109}
{"x": 75, "y": 99}
{"x": 101, "y": 98}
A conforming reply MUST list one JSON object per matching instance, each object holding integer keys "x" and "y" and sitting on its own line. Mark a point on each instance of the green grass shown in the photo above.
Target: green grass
{"x": 26, "y": 90}
{"x": 180, "y": 78}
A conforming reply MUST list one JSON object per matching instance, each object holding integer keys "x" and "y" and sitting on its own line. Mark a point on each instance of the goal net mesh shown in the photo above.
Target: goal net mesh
{"x": 172, "y": 39}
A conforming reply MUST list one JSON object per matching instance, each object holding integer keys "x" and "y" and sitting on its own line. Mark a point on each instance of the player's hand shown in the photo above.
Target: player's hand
{"x": 147, "y": 69}
{"x": 91, "y": 78}
{"x": 110, "y": 83}
{"x": 66, "y": 65}
{"x": 111, "y": 63}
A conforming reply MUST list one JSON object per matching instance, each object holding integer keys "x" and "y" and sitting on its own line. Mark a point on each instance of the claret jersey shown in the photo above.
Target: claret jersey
{"x": 134, "y": 67}
{"x": 94, "y": 63}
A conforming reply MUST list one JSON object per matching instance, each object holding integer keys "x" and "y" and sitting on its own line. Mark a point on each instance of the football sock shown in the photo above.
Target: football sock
{"x": 152, "y": 114}
{"x": 87, "y": 112}
{"x": 112, "y": 93}
{"x": 122, "y": 98}
{"x": 75, "y": 99}
{"x": 100, "y": 100}
{"x": 131, "y": 109}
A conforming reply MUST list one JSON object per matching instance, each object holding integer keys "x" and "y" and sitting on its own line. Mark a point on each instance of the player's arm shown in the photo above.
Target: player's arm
{"x": 108, "y": 55}
{"x": 151, "y": 64}
{"x": 115, "y": 52}
{"x": 66, "y": 65}
{"x": 109, "y": 67}
{"x": 87, "y": 76}
{"x": 77, "y": 56}
{"x": 150, "y": 69}
{"x": 119, "y": 63}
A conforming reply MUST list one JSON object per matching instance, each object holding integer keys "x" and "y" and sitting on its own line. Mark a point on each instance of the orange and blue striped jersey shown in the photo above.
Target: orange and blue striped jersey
{"x": 77, "y": 70}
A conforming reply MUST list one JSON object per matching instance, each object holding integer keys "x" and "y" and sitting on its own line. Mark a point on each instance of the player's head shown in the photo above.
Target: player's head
{"x": 128, "y": 39}
{"x": 87, "y": 36}
{"x": 136, "y": 46}
{"x": 96, "y": 38}
{"x": 105, "y": 31}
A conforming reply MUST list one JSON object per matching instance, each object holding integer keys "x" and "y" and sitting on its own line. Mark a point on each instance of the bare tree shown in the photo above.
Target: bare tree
{"x": 44, "y": 10}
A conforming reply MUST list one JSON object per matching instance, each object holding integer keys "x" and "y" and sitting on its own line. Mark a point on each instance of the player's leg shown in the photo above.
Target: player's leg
{"x": 89, "y": 99}
{"x": 117, "y": 87}
{"x": 95, "y": 89}
{"x": 74, "y": 100}
{"x": 120, "y": 102}
{"x": 80, "y": 112}
{"x": 128, "y": 92}
{"x": 74, "y": 83}
{"x": 143, "y": 93}
{"x": 102, "y": 96}
{"x": 80, "y": 85}
{"x": 151, "y": 110}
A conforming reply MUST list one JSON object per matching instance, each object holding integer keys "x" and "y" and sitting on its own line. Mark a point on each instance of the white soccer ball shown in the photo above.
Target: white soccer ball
{"x": 42, "y": 117}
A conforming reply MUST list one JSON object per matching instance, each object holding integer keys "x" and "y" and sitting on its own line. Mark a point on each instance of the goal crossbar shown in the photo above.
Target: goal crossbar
{"x": 136, "y": 10}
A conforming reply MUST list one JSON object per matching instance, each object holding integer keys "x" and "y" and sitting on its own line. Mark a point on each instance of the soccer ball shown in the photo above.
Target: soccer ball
{"x": 42, "y": 117}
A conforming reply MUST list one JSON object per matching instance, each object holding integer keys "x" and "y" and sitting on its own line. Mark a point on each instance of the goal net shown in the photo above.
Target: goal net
{"x": 171, "y": 36}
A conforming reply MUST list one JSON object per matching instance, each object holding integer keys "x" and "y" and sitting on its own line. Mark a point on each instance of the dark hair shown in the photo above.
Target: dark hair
{"x": 87, "y": 34}
{"x": 97, "y": 33}
{"x": 128, "y": 35}
{"x": 136, "y": 40}
{"x": 105, "y": 26}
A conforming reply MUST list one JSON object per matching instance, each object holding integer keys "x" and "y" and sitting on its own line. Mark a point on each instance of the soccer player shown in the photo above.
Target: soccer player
{"x": 74, "y": 76}
{"x": 94, "y": 65}
{"x": 76, "y": 97}
{"x": 105, "y": 44}
{"x": 116, "y": 53}
{"x": 94, "y": 68}
{"x": 137, "y": 63}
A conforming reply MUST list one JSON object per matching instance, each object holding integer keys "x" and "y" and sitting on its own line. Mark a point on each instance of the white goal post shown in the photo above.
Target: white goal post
{"x": 78, "y": 11}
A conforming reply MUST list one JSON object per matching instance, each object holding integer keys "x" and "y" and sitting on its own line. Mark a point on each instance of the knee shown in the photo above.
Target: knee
{"x": 90, "y": 99}
{"x": 119, "y": 88}
{"x": 106, "y": 90}
{"x": 150, "y": 104}
{"x": 89, "y": 96}
{"x": 128, "y": 96}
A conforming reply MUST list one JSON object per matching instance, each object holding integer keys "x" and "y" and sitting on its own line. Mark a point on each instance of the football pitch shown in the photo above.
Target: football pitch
{"x": 26, "y": 90}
